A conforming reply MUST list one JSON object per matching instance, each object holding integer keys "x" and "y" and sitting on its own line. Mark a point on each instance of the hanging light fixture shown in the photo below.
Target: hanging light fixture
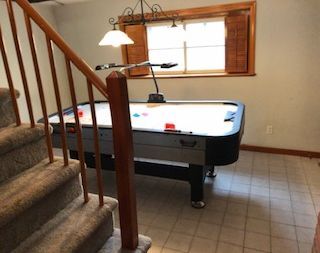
{"x": 116, "y": 37}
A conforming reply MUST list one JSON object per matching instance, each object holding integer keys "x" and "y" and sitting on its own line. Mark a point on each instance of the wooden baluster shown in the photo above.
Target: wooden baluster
{"x": 58, "y": 102}
{"x": 123, "y": 151}
{"x": 10, "y": 82}
{"x": 96, "y": 143}
{"x": 63, "y": 46}
{"x": 78, "y": 131}
{"x": 19, "y": 56}
{"x": 40, "y": 87}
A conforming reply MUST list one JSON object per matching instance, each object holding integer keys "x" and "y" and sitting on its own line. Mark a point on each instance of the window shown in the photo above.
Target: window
{"x": 197, "y": 46}
{"x": 217, "y": 40}
{"x": 165, "y": 45}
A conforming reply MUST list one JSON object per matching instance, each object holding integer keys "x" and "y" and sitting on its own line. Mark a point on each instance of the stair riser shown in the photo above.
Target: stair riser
{"x": 33, "y": 218}
{"x": 20, "y": 159}
{"x": 98, "y": 239}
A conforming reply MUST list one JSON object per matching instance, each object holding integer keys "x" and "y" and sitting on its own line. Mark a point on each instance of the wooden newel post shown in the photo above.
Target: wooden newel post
{"x": 124, "y": 164}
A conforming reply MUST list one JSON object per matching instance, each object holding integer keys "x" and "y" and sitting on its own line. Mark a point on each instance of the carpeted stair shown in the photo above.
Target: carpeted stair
{"x": 41, "y": 204}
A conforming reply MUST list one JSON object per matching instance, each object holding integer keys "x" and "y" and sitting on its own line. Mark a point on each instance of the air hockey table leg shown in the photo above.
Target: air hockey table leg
{"x": 211, "y": 171}
{"x": 196, "y": 180}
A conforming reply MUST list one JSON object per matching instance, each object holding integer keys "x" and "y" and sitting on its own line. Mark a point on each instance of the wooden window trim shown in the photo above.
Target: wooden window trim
{"x": 188, "y": 75}
{"x": 208, "y": 12}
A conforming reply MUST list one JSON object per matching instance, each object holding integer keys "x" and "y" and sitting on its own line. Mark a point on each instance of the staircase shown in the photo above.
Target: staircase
{"x": 45, "y": 204}
{"x": 42, "y": 207}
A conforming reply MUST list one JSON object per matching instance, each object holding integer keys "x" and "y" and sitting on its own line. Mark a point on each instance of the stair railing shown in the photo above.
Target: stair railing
{"x": 116, "y": 93}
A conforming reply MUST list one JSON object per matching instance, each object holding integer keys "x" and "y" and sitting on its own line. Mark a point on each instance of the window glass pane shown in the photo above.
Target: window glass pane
{"x": 165, "y": 56}
{"x": 164, "y": 37}
{"x": 205, "y": 34}
{"x": 206, "y": 58}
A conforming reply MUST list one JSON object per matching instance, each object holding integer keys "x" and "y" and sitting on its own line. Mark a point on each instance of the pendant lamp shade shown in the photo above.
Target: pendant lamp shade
{"x": 115, "y": 38}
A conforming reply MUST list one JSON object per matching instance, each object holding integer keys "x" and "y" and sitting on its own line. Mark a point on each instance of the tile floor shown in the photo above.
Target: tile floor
{"x": 262, "y": 203}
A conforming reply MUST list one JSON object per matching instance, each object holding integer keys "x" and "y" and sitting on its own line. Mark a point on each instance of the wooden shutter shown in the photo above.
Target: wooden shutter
{"x": 237, "y": 44}
{"x": 137, "y": 52}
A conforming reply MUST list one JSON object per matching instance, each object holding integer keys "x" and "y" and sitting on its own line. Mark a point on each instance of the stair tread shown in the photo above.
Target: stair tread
{"x": 70, "y": 227}
{"x": 25, "y": 189}
{"x": 14, "y": 136}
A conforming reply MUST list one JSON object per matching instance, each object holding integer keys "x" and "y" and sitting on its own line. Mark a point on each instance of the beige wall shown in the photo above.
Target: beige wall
{"x": 47, "y": 12}
{"x": 285, "y": 92}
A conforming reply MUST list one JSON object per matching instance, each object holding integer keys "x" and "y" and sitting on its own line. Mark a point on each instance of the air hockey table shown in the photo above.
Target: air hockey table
{"x": 199, "y": 134}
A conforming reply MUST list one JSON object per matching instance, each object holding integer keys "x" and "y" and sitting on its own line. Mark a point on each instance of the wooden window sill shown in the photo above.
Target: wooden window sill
{"x": 192, "y": 75}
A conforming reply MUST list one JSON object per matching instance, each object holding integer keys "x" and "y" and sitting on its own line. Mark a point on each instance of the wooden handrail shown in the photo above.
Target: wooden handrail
{"x": 65, "y": 48}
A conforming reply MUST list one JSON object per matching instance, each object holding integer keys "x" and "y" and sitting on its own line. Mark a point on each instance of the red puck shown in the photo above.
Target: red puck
{"x": 170, "y": 126}
{"x": 80, "y": 113}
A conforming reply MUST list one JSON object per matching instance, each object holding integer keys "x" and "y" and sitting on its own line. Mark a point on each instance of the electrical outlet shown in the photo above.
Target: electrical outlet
{"x": 269, "y": 129}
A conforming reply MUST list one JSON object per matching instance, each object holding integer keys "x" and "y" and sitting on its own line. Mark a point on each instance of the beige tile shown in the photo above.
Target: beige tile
{"x": 143, "y": 229}
{"x": 279, "y": 185}
{"x": 241, "y": 179}
{"x": 185, "y": 226}
{"x": 260, "y": 181}
{"x": 164, "y": 221}
{"x": 281, "y": 216}
{"x": 219, "y": 194}
{"x": 257, "y": 200}
{"x": 305, "y": 234}
{"x": 304, "y": 220}
{"x": 146, "y": 218}
{"x": 155, "y": 249}
{"x": 303, "y": 208}
{"x": 220, "y": 185}
{"x": 243, "y": 188}
{"x": 237, "y": 208}
{"x": 158, "y": 236}
{"x": 257, "y": 241}
{"x": 234, "y": 221}
{"x": 301, "y": 197}
{"x": 278, "y": 176}
{"x": 305, "y": 247}
{"x": 202, "y": 245}
{"x": 281, "y": 204}
{"x": 228, "y": 248}
{"x": 298, "y": 187}
{"x": 259, "y": 212}
{"x": 283, "y": 246}
{"x": 213, "y": 217}
{"x": 239, "y": 197}
{"x": 261, "y": 191}
{"x": 298, "y": 179}
{"x": 180, "y": 242}
{"x": 279, "y": 194}
{"x": 191, "y": 213}
{"x": 231, "y": 235}
{"x": 252, "y": 251}
{"x": 283, "y": 231}
{"x": 166, "y": 250}
{"x": 217, "y": 205}
{"x": 151, "y": 205}
{"x": 208, "y": 231}
{"x": 258, "y": 226}
{"x": 171, "y": 210}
